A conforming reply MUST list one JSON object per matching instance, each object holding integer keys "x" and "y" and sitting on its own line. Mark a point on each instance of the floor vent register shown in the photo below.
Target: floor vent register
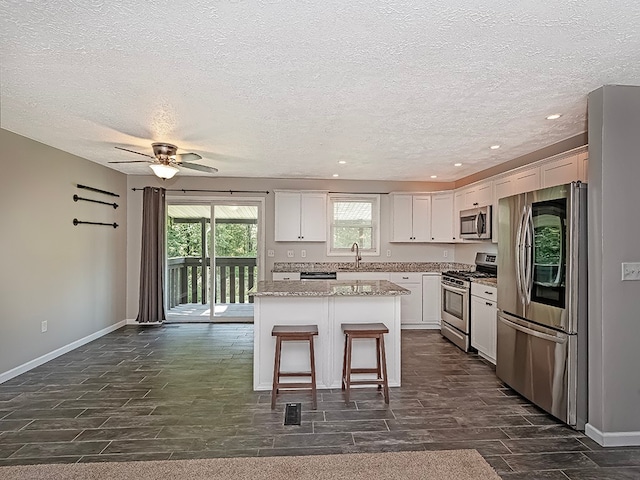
{"x": 292, "y": 414}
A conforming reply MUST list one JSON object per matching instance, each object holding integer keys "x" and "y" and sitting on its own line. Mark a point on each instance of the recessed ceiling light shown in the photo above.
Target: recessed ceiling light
{"x": 434, "y": 176}
{"x": 495, "y": 147}
{"x": 457, "y": 164}
{"x": 342, "y": 162}
{"x": 336, "y": 175}
{"x": 555, "y": 116}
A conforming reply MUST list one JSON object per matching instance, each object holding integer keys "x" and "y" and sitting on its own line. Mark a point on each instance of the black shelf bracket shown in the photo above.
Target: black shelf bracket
{"x": 76, "y": 198}
{"x": 77, "y": 222}
{"x": 97, "y": 190}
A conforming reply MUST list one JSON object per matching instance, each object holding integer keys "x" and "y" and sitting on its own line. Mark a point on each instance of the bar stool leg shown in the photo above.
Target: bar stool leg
{"x": 384, "y": 371}
{"x": 344, "y": 362}
{"x": 313, "y": 374}
{"x": 347, "y": 377}
{"x": 276, "y": 372}
{"x": 379, "y": 370}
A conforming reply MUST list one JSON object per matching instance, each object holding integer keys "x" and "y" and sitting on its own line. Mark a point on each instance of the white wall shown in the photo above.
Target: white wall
{"x": 72, "y": 277}
{"x": 614, "y": 226}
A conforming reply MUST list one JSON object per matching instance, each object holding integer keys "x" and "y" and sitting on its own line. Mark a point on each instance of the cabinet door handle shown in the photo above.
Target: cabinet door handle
{"x": 489, "y": 304}
{"x": 488, "y": 293}
{"x": 405, "y": 278}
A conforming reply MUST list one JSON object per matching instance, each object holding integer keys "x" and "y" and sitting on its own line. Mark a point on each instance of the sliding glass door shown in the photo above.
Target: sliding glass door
{"x": 213, "y": 252}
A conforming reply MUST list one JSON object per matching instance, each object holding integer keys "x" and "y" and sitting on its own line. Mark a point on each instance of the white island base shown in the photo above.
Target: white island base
{"x": 328, "y": 313}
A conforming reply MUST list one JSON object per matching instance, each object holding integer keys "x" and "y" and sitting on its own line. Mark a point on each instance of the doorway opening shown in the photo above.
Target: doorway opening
{"x": 212, "y": 266}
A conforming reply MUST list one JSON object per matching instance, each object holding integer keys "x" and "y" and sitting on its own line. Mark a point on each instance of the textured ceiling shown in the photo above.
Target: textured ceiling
{"x": 400, "y": 90}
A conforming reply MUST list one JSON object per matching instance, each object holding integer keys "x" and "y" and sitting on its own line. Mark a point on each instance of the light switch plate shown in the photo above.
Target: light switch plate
{"x": 43, "y": 326}
{"x": 271, "y": 253}
{"x": 290, "y": 253}
{"x": 630, "y": 271}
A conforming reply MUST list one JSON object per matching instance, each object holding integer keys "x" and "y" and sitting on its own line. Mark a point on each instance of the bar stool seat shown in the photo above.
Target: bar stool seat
{"x": 374, "y": 331}
{"x": 297, "y": 333}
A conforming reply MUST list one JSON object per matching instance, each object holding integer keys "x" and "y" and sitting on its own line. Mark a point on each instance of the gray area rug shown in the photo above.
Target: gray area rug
{"x": 451, "y": 464}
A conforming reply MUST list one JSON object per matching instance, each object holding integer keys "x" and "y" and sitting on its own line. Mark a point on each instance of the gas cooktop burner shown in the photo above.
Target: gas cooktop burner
{"x": 464, "y": 275}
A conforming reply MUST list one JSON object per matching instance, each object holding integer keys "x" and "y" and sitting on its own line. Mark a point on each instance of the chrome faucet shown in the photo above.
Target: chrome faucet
{"x": 356, "y": 248}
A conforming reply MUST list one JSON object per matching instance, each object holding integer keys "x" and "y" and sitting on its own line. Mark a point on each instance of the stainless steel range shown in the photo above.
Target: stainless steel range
{"x": 456, "y": 302}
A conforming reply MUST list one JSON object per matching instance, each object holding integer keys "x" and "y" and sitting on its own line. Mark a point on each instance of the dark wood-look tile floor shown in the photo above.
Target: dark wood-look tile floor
{"x": 185, "y": 391}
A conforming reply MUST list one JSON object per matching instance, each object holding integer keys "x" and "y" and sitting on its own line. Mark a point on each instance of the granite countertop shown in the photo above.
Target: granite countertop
{"x": 489, "y": 282}
{"x": 327, "y": 288}
{"x": 290, "y": 267}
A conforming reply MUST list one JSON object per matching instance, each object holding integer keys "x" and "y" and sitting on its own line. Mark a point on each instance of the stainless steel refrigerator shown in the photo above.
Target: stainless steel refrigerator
{"x": 542, "y": 299}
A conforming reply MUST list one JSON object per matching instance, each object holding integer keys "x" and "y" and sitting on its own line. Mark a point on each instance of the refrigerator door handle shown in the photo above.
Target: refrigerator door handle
{"x": 529, "y": 245}
{"x": 533, "y": 333}
{"x": 519, "y": 257}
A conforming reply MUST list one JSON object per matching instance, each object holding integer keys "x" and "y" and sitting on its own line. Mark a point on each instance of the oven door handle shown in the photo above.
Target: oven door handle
{"x": 454, "y": 289}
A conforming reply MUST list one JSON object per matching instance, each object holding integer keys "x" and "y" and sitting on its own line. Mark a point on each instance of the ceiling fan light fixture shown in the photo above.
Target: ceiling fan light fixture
{"x": 164, "y": 172}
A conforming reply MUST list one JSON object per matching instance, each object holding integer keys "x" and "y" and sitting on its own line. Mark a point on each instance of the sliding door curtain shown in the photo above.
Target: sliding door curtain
{"x": 151, "y": 309}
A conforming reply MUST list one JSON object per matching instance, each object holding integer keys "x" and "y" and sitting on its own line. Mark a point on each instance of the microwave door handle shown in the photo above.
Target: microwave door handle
{"x": 478, "y": 224}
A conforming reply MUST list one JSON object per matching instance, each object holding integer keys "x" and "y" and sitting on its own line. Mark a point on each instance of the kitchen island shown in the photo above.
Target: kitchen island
{"x": 327, "y": 304}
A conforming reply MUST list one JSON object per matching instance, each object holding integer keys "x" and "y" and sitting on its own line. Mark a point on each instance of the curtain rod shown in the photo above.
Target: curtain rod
{"x": 185, "y": 190}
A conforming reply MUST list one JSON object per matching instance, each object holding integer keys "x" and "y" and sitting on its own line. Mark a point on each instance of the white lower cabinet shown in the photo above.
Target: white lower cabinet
{"x": 484, "y": 312}
{"x": 410, "y": 305}
{"x": 431, "y": 300}
{"x": 286, "y": 276}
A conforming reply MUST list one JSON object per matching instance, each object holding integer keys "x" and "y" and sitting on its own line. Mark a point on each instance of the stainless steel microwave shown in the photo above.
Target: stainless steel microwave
{"x": 475, "y": 224}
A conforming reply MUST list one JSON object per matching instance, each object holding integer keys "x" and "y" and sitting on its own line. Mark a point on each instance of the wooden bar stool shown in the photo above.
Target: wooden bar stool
{"x": 293, "y": 333}
{"x": 365, "y": 330}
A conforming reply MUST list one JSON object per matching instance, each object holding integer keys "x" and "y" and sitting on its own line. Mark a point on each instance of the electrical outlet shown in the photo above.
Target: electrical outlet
{"x": 630, "y": 271}
{"x": 271, "y": 253}
{"x": 303, "y": 253}
{"x": 290, "y": 253}
{"x": 43, "y": 326}
{"x": 445, "y": 253}
{"x": 388, "y": 253}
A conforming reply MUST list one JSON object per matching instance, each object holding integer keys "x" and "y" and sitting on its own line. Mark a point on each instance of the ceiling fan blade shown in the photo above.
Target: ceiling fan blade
{"x": 188, "y": 157}
{"x": 133, "y": 151}
{"x": 133, "y": 161}
{"x": 200, "y": 168}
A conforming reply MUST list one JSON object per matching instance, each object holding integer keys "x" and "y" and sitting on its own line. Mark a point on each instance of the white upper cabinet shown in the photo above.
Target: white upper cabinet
{"x": 526, "y": 180}
{"x": 559, "y": 171}
{"x": 479, "y": 195}
{"x": 442, "y": 217}
{"x": 583, "y": 166}
{"x": 410, "y": 217}
{"x": 300, "y": 216}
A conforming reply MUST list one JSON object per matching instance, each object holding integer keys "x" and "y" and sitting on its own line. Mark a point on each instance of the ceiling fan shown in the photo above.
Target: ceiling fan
{"x": 165, "y": 160}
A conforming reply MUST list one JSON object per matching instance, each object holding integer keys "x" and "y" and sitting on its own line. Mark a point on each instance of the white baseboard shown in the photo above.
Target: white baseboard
{"x": 420, "y": 326}
{"x": 612, "y": 439}
{"x": 25, "y": 367}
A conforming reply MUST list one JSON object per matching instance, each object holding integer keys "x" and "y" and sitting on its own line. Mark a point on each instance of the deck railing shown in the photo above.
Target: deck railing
{"x": 187, "y": 280}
